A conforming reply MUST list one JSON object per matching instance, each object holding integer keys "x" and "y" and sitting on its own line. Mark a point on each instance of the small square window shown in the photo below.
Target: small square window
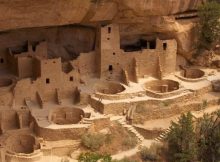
{"x": 110, "y": 68}
{"x": 71, "y": 78}
{"x": 47, "y": 81}
{"x": 2, "y": 60}
{"x": 109, "y": 29}
{"x": 164, "y": 46}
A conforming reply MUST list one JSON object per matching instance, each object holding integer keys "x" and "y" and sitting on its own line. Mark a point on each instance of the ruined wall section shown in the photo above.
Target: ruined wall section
{"x": 49, "y": 78}
{"x": 149, "y": 61}
{"x": 85, "y": 64}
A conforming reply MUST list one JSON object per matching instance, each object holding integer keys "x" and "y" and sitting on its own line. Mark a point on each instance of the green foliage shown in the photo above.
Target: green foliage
{"x": 165, "y": 104}
{"x": 150, "y": 154}
{"x": 204, "y": 104}
{"x": 209, "y": 137}
{"x": 94, "y": 157}
{"x": 130, "y": 142}
{"x": 209, "y": 24}
{"x": 182, "y": 145}
{"x": 93, "y": 141}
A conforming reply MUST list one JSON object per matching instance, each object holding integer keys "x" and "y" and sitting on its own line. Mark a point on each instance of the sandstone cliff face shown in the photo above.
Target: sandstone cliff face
{"x": 160, "y": 7}
{"x": 135, "y": 17}
{"x": 31, "y": 13}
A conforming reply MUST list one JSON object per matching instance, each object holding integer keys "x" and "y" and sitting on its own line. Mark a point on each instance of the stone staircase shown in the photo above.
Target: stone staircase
{"x": 162, "y": 136}
{"x": 86, "y": 121}
{"x": 130, "y": 128}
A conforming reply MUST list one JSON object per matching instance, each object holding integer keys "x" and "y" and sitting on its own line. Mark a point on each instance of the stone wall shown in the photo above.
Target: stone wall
{"x": 60, "y": 134}
{"x": 148, "y": 61}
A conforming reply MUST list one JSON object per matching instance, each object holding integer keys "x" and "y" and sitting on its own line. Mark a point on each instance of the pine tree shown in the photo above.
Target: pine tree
{"x": 182, "y": 145}
{"x": 209, "y": 137}
{"x": 209, "y": 24}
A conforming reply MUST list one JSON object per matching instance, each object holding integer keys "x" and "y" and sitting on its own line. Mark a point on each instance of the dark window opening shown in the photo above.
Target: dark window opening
{"x": 71, "y": 78}
{"x": 139, "y": 45}
{"x": 34, "y": 48}
{"x": 2, "y": 60}
{"x": 113, "y": 53}
{"x": 47, "y": 81}
{"x": 109, "y": 29}
{"x": 152, "y": 44}
{"x": 143, "y": 43}
{"x": 110, "y": 68}
{"x": 19, "y": 49}
{"x": 108, "y": 38}
{"x": 164, "y": 46}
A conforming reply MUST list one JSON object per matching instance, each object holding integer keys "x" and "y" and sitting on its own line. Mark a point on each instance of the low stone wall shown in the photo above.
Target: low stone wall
{"x": 60, "y": 134}
{"x": 166, "y": 111}
{"x": 118, "y": 107}
{"x": 119, "y": 96}
{"x": 163, "y": 95}
{"x": 190, "y": 79}
{"x": 33, "y": 157}
{"x": 148, "y": 134}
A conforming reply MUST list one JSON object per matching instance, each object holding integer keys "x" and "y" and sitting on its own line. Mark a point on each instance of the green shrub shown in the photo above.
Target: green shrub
{"x": 204, "y": 104}
{"x": 209, "y": 24}
{"x": 164, "y": 104}
{"x": 130, "y": 142}
{"x": 93, "y": 141}
{"x": 94, "y": 157}
{"x": 150, "y": 154}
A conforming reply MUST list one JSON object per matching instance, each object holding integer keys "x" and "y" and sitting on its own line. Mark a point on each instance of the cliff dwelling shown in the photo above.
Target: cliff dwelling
{"x": 94, "y": 66}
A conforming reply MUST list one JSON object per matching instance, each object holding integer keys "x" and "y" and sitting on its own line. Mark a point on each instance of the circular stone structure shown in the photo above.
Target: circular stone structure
{"x": 67, "y": 116}
{"x": 22, "y": 144}
{"x": 110, "y": 88}
{"x": 192, "y": 73}
{"x": 161, "y": 86}
{"x": 5, "y": 82}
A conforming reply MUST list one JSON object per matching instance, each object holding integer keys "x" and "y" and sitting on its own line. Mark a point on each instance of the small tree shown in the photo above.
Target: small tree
{"x": 209, "y": 24}
{"x": 93, "y": 141}
{"x": 182, "y": 145}
{"x": 209, "y": 137}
